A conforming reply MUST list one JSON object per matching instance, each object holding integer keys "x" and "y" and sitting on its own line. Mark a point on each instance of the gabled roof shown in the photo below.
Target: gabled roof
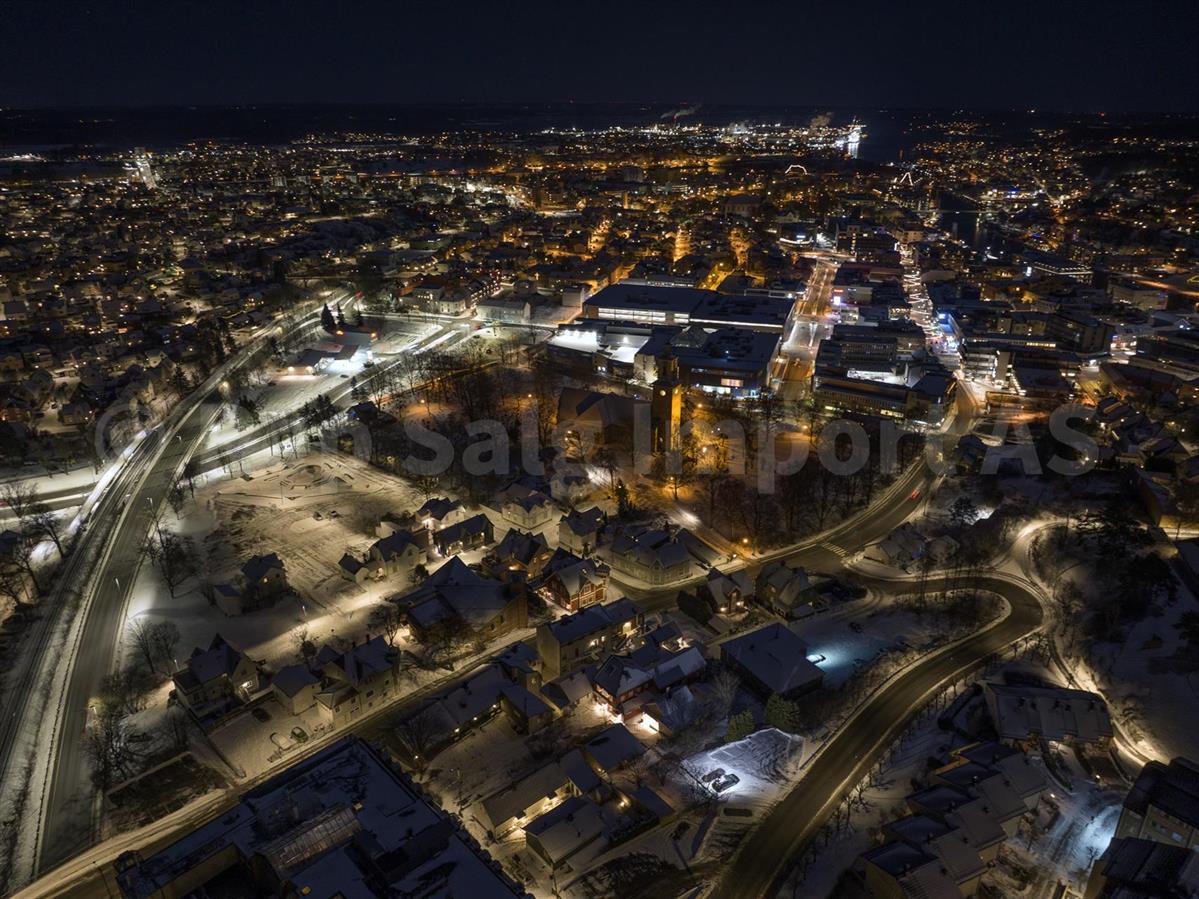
{"x": 395, "y": 544}
{"x": 437, "y": 508}
{"x": 613, "y": 747}
{"x": 478, "y": 524}
{"x": 521, "y": 546}
{"x": 516, "y": 798}
{"x": 454, "y": 589}
{"x": 219, "y": 660}
{"x": 292, "y": 679}
{"x": 585, "y": 523}
{"x": 363, "y": 661}
{"x": 592, "y": 619}
{"x": 572, "y": 572}
{"x": 257, "y": 568}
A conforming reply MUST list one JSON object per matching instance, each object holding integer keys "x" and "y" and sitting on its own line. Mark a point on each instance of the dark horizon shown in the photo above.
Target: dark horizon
{"x": 650, "y": 105}
{"x": 1074, "y": 57}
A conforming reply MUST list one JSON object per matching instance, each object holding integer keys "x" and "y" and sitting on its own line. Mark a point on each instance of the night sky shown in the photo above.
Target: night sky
{"x": 1068, "y": 55}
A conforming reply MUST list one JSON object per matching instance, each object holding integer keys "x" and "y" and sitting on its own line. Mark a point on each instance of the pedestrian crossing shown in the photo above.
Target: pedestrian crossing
{"x": 835, "y": 550}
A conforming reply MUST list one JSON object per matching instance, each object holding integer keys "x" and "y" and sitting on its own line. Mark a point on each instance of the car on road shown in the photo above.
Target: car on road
{"x": 725, "y": 782}
{"x": 713, "y": 775}
{"x": 914, "y": 495}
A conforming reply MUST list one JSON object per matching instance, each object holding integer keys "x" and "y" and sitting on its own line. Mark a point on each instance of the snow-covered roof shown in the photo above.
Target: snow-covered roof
{"x": 292, "y": 679}
{"x": 567, "y": 828}
{"x": 775, "y": 656}
{"x": 219, "y": 660}
{"x": 592, "y": 619}
{"x": 517, "y": 798}
{"x": 328, "y": 826}
{"x": 1051, "y": 713}
{"x": 613, "y": 747}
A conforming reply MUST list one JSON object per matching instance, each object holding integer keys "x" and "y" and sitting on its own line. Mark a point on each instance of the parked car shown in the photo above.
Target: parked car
{"x": 715, "y": 774}
{"x": 725, "y": 782}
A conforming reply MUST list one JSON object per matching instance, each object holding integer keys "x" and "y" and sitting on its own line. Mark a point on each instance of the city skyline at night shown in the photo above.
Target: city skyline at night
{"x": 563, "y": 451}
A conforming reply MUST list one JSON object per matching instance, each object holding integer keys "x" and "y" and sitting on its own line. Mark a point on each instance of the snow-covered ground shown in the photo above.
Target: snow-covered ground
{"x": 842, "y": 840}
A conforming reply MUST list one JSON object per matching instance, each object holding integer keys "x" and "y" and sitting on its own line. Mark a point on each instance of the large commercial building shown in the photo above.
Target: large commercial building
{"x": 628, "y": 301}
{"x": 729, "y": 360}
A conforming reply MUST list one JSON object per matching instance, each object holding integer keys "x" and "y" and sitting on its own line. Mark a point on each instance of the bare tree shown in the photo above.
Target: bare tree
{"x": 426, "y": 484}
{"x": 22, "y": 499}
{"x": 725, "y": 685}
{"x": 174, "y": 557}
{"x": 111, "y": 745}
{"x": 164, "y": 638}
{"x": 141, "y": 635}
{"x": 300, "y": 641}
{"x": 386, "y": 618}
{"x": 417, "y": 734}
{"x": 124, "y": 691}
{"x": 46, "y": 524}
{"x": 13, "y": 586}
{"x": 175, "y": 728}
{"x": 20, "y": 557}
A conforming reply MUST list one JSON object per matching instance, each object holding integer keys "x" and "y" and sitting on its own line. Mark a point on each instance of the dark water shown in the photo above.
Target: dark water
{"x": 960, "y": 217}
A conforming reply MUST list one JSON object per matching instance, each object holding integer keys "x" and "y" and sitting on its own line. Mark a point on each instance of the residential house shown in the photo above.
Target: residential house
{"x": 569, "y": 487}
{"x": 559, "y": 834}
{"x": 396, "y": 555}
{"x": 263, "y": 580}
{"x": 612, "y": 749}
{"x": 470, "y": 533}
{"x": 784, "y": 590}
{"x": 656, "y": 556}
{"x": 956, "y": 826}
{"x": 728, "y": 592}
{"x": 356, "y": 681}
{"x": 572, "y": 583}
{"x": 295, "y": 688}
{"x": 628, "y": 683}
{"x": 1131, "y": 868}
{"x": 573, "y": 640}
{"x": 526, "y": 799}
{"x": 526, "y": 507}
{"x": 439, "y": 512}
{"x": 456, "y": 601}
{"x": 1026, "y": 715}
{"x": 580, "y": 531}
{"x": 519, "y": 551}
{"x": 527, "y": 711}
{"x": 215, "y": 679}
{"x": 898, "y": 870}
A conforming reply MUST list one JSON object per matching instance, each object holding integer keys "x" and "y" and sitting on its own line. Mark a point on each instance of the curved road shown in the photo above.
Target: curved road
{"x": 66, "y": 825}
{"x": 40, "y": 734}
{"x": 761, "y": 863}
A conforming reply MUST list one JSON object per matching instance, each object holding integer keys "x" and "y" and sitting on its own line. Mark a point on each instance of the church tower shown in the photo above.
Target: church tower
{"x": 666, "y": 405}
